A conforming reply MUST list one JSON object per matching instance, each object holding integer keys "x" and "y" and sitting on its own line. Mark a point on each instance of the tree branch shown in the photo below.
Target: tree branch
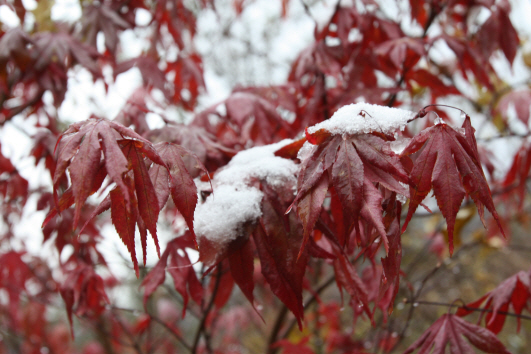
{"x": 201, "y": 328}
{"x": 468, "y": 308}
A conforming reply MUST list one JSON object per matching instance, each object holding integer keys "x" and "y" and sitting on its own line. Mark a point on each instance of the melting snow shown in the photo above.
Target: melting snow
{"x": 234, "y": 201}
{"x": 364, "y": 118}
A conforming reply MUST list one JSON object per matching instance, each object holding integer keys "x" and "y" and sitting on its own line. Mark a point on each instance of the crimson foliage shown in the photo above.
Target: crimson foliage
{"x": 283, "y": 190}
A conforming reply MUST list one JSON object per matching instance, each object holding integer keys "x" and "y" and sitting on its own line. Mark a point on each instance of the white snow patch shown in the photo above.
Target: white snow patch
{"x": 305, "y": 151}
{"x": 364, "y": 118}
{"x": 234, "y": 201}
{"x": 220, "y": 216}
{"x": 259, "y": 163}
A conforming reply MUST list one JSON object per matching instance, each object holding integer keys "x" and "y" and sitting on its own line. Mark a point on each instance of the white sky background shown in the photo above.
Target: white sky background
{"x": 227, "y": 62}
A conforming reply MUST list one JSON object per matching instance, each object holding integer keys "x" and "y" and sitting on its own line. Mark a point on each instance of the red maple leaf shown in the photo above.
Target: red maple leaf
{"x": 152, "y": 75}
{"x": 424, "y": 78}
{"x": 204, "y": 146}
{"x": 101, "y": 18}
{"x": 80, "y": 150}
{"x": 177, "y": 18}
{"x": 498, "y": 32}
{"x": 519, "y": 172}
{"x": 83, "y": 292}
{"x": 448, "y": 162}
{"x": 14, "y": 187}
{"x": 135, "y": 199}
{"x": 347, "y": 278}
{"x": 278, "y": 242}
{"x": 188, "y": 80}
{"x": 65, "y": 50}
{"x": 401, "y": 53}
{"x": 469, "y": 60}
{"x": 181, "y": 270}
{"x": 176, "y": 181}
{"x": 514, "y": 291}
{"x": 244, "y": 117}
{"x": 353, "y": 166}
{"x": 520, "y": 100}
{"x": 449, "y": 330}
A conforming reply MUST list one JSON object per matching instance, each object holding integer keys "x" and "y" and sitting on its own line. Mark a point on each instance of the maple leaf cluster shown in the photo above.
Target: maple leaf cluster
{"x": 280, "y": 191}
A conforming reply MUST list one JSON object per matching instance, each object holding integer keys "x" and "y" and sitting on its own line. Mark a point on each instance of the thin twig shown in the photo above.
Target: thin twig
{"x": 468, "y": 308}
{"x": 161, "y": 322}
{"x": 207, "y": 310}
{"x": 310, "y": 301}
{"x": 276, "y": 329}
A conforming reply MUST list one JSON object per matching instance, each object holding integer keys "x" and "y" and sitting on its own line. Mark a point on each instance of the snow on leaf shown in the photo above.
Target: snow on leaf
{"x": 450, "y": 330}
{"x": 364, "y": 118}
{"x": 223, "y": 213}
{"x": 447, "y": 163}
{"x": 236, "y": 201}
{"x": 356, "y": 163}
{"x": 514, "y": 291}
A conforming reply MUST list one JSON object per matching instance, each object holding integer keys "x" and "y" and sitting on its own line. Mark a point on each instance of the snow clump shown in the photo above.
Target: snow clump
{"x": 235, "y": 201}
{"x": 365, "y": 118}
{"x": 358, "y": 118}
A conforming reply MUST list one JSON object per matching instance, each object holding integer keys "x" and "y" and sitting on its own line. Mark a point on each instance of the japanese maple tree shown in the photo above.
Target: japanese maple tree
{"x": 338, "y": 209}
